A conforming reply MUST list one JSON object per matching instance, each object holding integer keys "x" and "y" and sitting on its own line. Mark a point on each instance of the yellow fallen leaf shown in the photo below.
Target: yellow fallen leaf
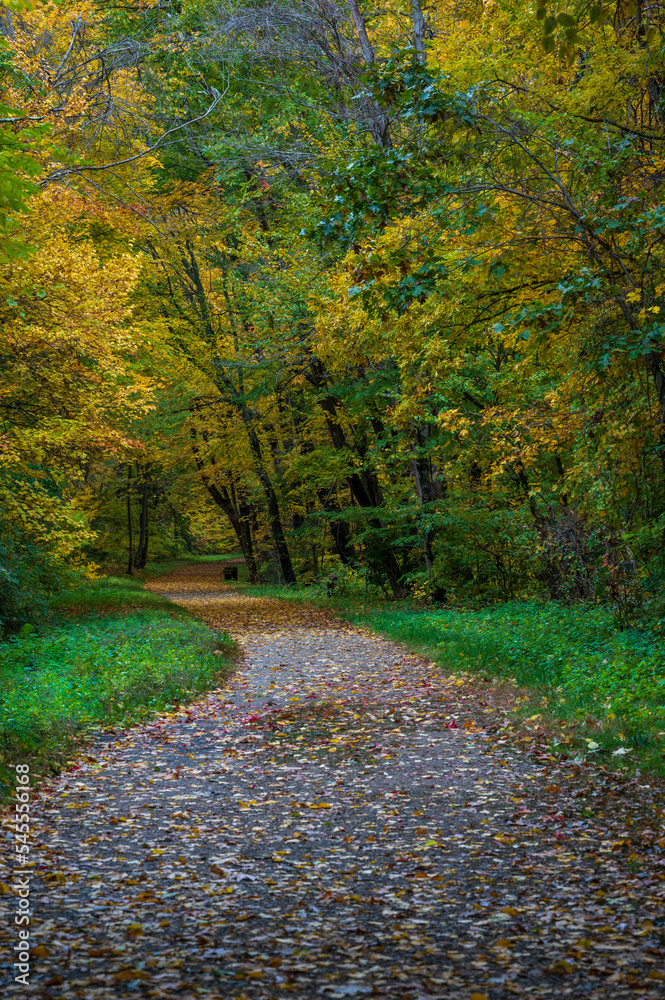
{"x": 560, "y": 968}
{"x": 479, "y": 996}
{"x": 503, "y": 943}
{"x": 656, "y": 974}
{"x": 40, "y": 951}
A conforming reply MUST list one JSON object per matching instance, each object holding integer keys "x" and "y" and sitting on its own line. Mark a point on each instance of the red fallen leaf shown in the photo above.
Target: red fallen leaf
{"x": 451, "y": 725}
{"x": 252, "y": 718}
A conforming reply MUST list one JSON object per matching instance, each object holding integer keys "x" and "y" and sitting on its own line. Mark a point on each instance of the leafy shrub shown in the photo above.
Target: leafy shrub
{"x": 484, "y": 552}
{"x": 29, "y": 576}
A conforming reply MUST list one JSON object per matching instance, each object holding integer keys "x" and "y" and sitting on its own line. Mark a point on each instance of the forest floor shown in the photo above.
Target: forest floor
{"x": 341, "y": 819}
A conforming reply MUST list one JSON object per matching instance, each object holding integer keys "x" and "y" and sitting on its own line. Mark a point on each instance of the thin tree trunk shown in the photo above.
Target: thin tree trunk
{"x": 659, "y": 382}
{"x": 380, "y": 122}
{"x": 422, "y": 474}
{"x": 221, "y": 497}
{"x": 418, "y": 30}
{"x": 141, "y": 554}
{"x": 130, "y": 526}
{"x": 339, "y": 530}
{"x": 361, "y": 28}
{"x": 247, "y": 544}
{"x": 143, "y": 557}
{"x": 272, "y": 504}
{"x": 364, "y": 486}
{"x": 175, "y": 534}
{"x": 235, "y": 397}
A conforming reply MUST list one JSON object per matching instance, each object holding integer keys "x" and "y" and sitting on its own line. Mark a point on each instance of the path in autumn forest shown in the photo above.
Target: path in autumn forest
{"x": 325, "y": 826}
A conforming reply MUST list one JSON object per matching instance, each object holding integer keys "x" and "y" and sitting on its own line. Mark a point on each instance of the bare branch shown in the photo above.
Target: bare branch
{"x": 58, "y": 175}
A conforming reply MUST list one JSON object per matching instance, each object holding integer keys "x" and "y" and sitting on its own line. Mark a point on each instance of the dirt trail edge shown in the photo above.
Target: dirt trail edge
{"x": 325, "y": 826}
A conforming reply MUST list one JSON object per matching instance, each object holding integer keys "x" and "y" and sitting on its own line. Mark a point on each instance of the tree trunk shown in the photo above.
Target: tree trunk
{"x": 130, "y": 526}
{"x": 364, "y": 485}
{"x": 141, "y": 554}
{"x": 361, "y": 28}
{"x": 246, "y": 541}
{"x": 221, "y": 497}
{"x": 339, "y": 530}
{"x": 380, "y": 123}
{"x": 659, "y": 382}
{"x": 272, "y": 504}
{"x": 235, "y": 397}
{"x": 425, "y": 490}
{"x": 418, "y": 30}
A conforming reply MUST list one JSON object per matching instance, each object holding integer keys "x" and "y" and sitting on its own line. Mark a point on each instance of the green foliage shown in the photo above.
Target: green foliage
{"x": 404, "y": 309}
{"x": 485, "y": 551}
{"x": 17, "y": 168}
{"x": 29, "y": 577}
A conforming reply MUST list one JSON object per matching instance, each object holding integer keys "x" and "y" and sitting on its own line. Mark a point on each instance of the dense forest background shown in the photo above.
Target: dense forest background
{"x": 356, "y": 290}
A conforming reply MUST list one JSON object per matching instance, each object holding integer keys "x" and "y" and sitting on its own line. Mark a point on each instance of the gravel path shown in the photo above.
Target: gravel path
{"x": 338, "y": 821}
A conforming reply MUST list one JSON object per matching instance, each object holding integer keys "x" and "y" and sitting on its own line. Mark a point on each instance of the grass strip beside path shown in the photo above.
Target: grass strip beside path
{"x": 115, "y": 655}
{"x": 580, "y": 681}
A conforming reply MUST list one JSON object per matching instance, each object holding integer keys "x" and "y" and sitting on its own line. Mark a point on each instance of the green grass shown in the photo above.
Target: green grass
{"x": 573, "y": 662}
{"x": 114, "y": 655}
{"x": 111, "y": 593}
{"x": 607, "y": 684}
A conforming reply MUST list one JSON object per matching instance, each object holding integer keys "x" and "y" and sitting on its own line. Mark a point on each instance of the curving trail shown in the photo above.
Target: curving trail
{"x": 324, "y": 827}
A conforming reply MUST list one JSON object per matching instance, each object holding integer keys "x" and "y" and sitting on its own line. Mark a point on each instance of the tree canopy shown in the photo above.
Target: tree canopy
{"x": 354, "y": 289}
